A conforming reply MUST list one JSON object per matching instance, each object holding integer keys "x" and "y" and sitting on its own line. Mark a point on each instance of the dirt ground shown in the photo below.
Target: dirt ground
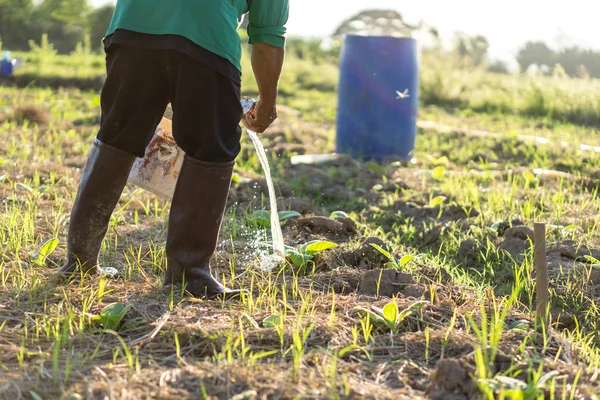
{"x": 171, "y": 346}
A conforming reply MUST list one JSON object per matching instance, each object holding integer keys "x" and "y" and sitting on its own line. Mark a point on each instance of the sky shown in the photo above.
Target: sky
{"x": 507, "y": 24}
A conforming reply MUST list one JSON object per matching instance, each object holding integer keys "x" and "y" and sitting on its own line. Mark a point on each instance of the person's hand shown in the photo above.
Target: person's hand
{"x": 260, "y": 117}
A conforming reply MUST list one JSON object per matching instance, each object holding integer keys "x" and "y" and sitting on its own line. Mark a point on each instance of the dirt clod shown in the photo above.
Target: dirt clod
{"x": 345, "y": 285}
{"x": 557, "y": 264}
{"x": 571, "y": 250}
{"x": 451, "y": 381}
{"x": 385, "y": 283}
{"x": 29, "y": 113}
{"x": 469, "y": 251}
{"x": 515, "y": 247}
{"x": 505, "y": 225}
{"x": 416, "y": 291}
{"x": 519, "y": 232}
{"x": 326, "y": 226}
{"x": 366, "y": 256}
{"x": 595, "y": 277}
{"x": 303, "y": 206}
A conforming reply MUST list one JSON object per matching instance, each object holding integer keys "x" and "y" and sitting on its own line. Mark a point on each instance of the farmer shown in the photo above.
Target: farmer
{"x": 186, "y": 52}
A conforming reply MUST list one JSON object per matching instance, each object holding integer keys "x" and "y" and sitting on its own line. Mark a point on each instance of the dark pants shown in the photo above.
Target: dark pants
{"x": 141, "y": 83}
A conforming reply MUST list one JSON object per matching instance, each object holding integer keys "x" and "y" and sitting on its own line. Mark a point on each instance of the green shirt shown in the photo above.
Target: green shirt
{"x": 211, "y": 24}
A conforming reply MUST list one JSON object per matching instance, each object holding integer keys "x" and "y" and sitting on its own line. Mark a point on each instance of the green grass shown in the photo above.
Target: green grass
{"x": 310, "y": 86}
{"x": 299, "y": 333}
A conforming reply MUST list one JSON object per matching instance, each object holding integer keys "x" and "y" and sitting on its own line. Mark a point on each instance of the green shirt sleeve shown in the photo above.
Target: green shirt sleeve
{"x": 267, "y": 20}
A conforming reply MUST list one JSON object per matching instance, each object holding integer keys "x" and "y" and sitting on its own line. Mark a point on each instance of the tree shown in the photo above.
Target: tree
{"x": 98, "y": 22}
{"x": 535, "y": 53}
{"x": 472, "y": 48}
{"x": 71, "y": 12}
{"x": 498, "y": 67}
{"x": 15, "y": 23}
{"x": 577, "y": 62}
{"x": 375, "y": 22}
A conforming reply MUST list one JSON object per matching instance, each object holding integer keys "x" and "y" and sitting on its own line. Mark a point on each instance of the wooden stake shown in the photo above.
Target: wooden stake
{"x": 541, "y": 271}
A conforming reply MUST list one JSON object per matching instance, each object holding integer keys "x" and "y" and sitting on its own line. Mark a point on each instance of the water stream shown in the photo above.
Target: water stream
{"x": 277, "y": 235}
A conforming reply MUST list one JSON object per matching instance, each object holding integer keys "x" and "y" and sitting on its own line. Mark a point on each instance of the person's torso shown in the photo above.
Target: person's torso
{"x": 212, "y": 24}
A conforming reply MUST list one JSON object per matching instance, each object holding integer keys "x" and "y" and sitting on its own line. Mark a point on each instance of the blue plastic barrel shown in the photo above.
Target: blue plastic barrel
{"x": 6, "y": 68}
{"x": 374, "y": 118}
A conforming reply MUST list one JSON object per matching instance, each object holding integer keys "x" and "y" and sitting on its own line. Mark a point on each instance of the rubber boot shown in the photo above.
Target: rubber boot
{"x": 195, "y": 219}
{"x": 102, "y": 182}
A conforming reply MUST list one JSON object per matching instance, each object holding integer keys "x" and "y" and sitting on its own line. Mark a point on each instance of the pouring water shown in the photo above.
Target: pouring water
{"x": 277, "y": 235}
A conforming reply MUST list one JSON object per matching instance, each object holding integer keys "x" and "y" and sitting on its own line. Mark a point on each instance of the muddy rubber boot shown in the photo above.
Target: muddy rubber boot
{"x": 195, "y": 219}
{"x": 102, "y": 182}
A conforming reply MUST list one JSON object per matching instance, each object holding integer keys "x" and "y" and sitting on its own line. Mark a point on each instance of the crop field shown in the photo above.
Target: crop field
{"x": 404, "y": 280}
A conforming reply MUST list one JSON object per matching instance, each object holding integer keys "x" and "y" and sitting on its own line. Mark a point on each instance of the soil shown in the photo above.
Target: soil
{"x": 366, "y": 256}
{"x": 335, "y": 229}
{"x": 385, "y": 282}
{"x": 355, "y": 271}
{"x": 452, "y": 380}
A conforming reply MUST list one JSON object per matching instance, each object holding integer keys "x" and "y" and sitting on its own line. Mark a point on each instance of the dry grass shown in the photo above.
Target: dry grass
{"x": 27, "y": 113}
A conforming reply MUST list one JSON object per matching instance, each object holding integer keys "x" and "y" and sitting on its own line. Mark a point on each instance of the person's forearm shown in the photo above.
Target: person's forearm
{"x": 267, "y": 63}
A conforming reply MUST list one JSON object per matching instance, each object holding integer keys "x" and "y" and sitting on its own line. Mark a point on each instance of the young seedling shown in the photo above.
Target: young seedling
{"x": 396, "y": 264}
{"x": 111, "y": 316}
{"x": 38, "y": 258}
{"x": 262, "y": 218}
{"x": 304, "y": 254}
{"x": 390, "y": 317}
{"x": 339, "y": 214}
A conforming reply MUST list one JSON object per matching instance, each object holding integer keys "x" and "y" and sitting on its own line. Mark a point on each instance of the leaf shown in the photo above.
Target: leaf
{"x": 261, "y": 218}
{"x": 96, "y": 101}
{"x": 235, "y": 178}
{"x": 442, "y": 161}
{"x": 49, "y": 247}
{"x": 375, "y": 168}
{"x": 283, "y": 215}
{"x": 438, "y": 173}
{"x": 376, "y": 317}
{"x": 520, "y": 324}
{"x": 264, "y": 354}
{"x": 35, "y": 395}
{"x": 110, "y": 317}
{"x": 24, "y": 186}
{"x": 546, "y": 377}
{"x": 338, "y": 214}
{"x": 315, "y": 247}
{"x": 414, "y": 307}
{"x": 347, "y": 349}
{"x": 436, "y": 201}
{"x": 390, "y": 312}
{"x": 298, "y": 259}
{"x": 378, "y": 311}
{"x": 272, "y": 321}
{"x": 592, "y": 260}
{"x": 384, "y": 252}
{"x": 405, "y": 260}
{"x": 496, "y": 225}
{"x": 39, "y": 257}
{"x": 529, "y": 177}
{"x": 570, "y": 228}
{"x": 511, "y": 383}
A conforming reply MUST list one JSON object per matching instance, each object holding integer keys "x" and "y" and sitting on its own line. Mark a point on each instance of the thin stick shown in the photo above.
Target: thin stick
{"x": 541, "y": 271}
